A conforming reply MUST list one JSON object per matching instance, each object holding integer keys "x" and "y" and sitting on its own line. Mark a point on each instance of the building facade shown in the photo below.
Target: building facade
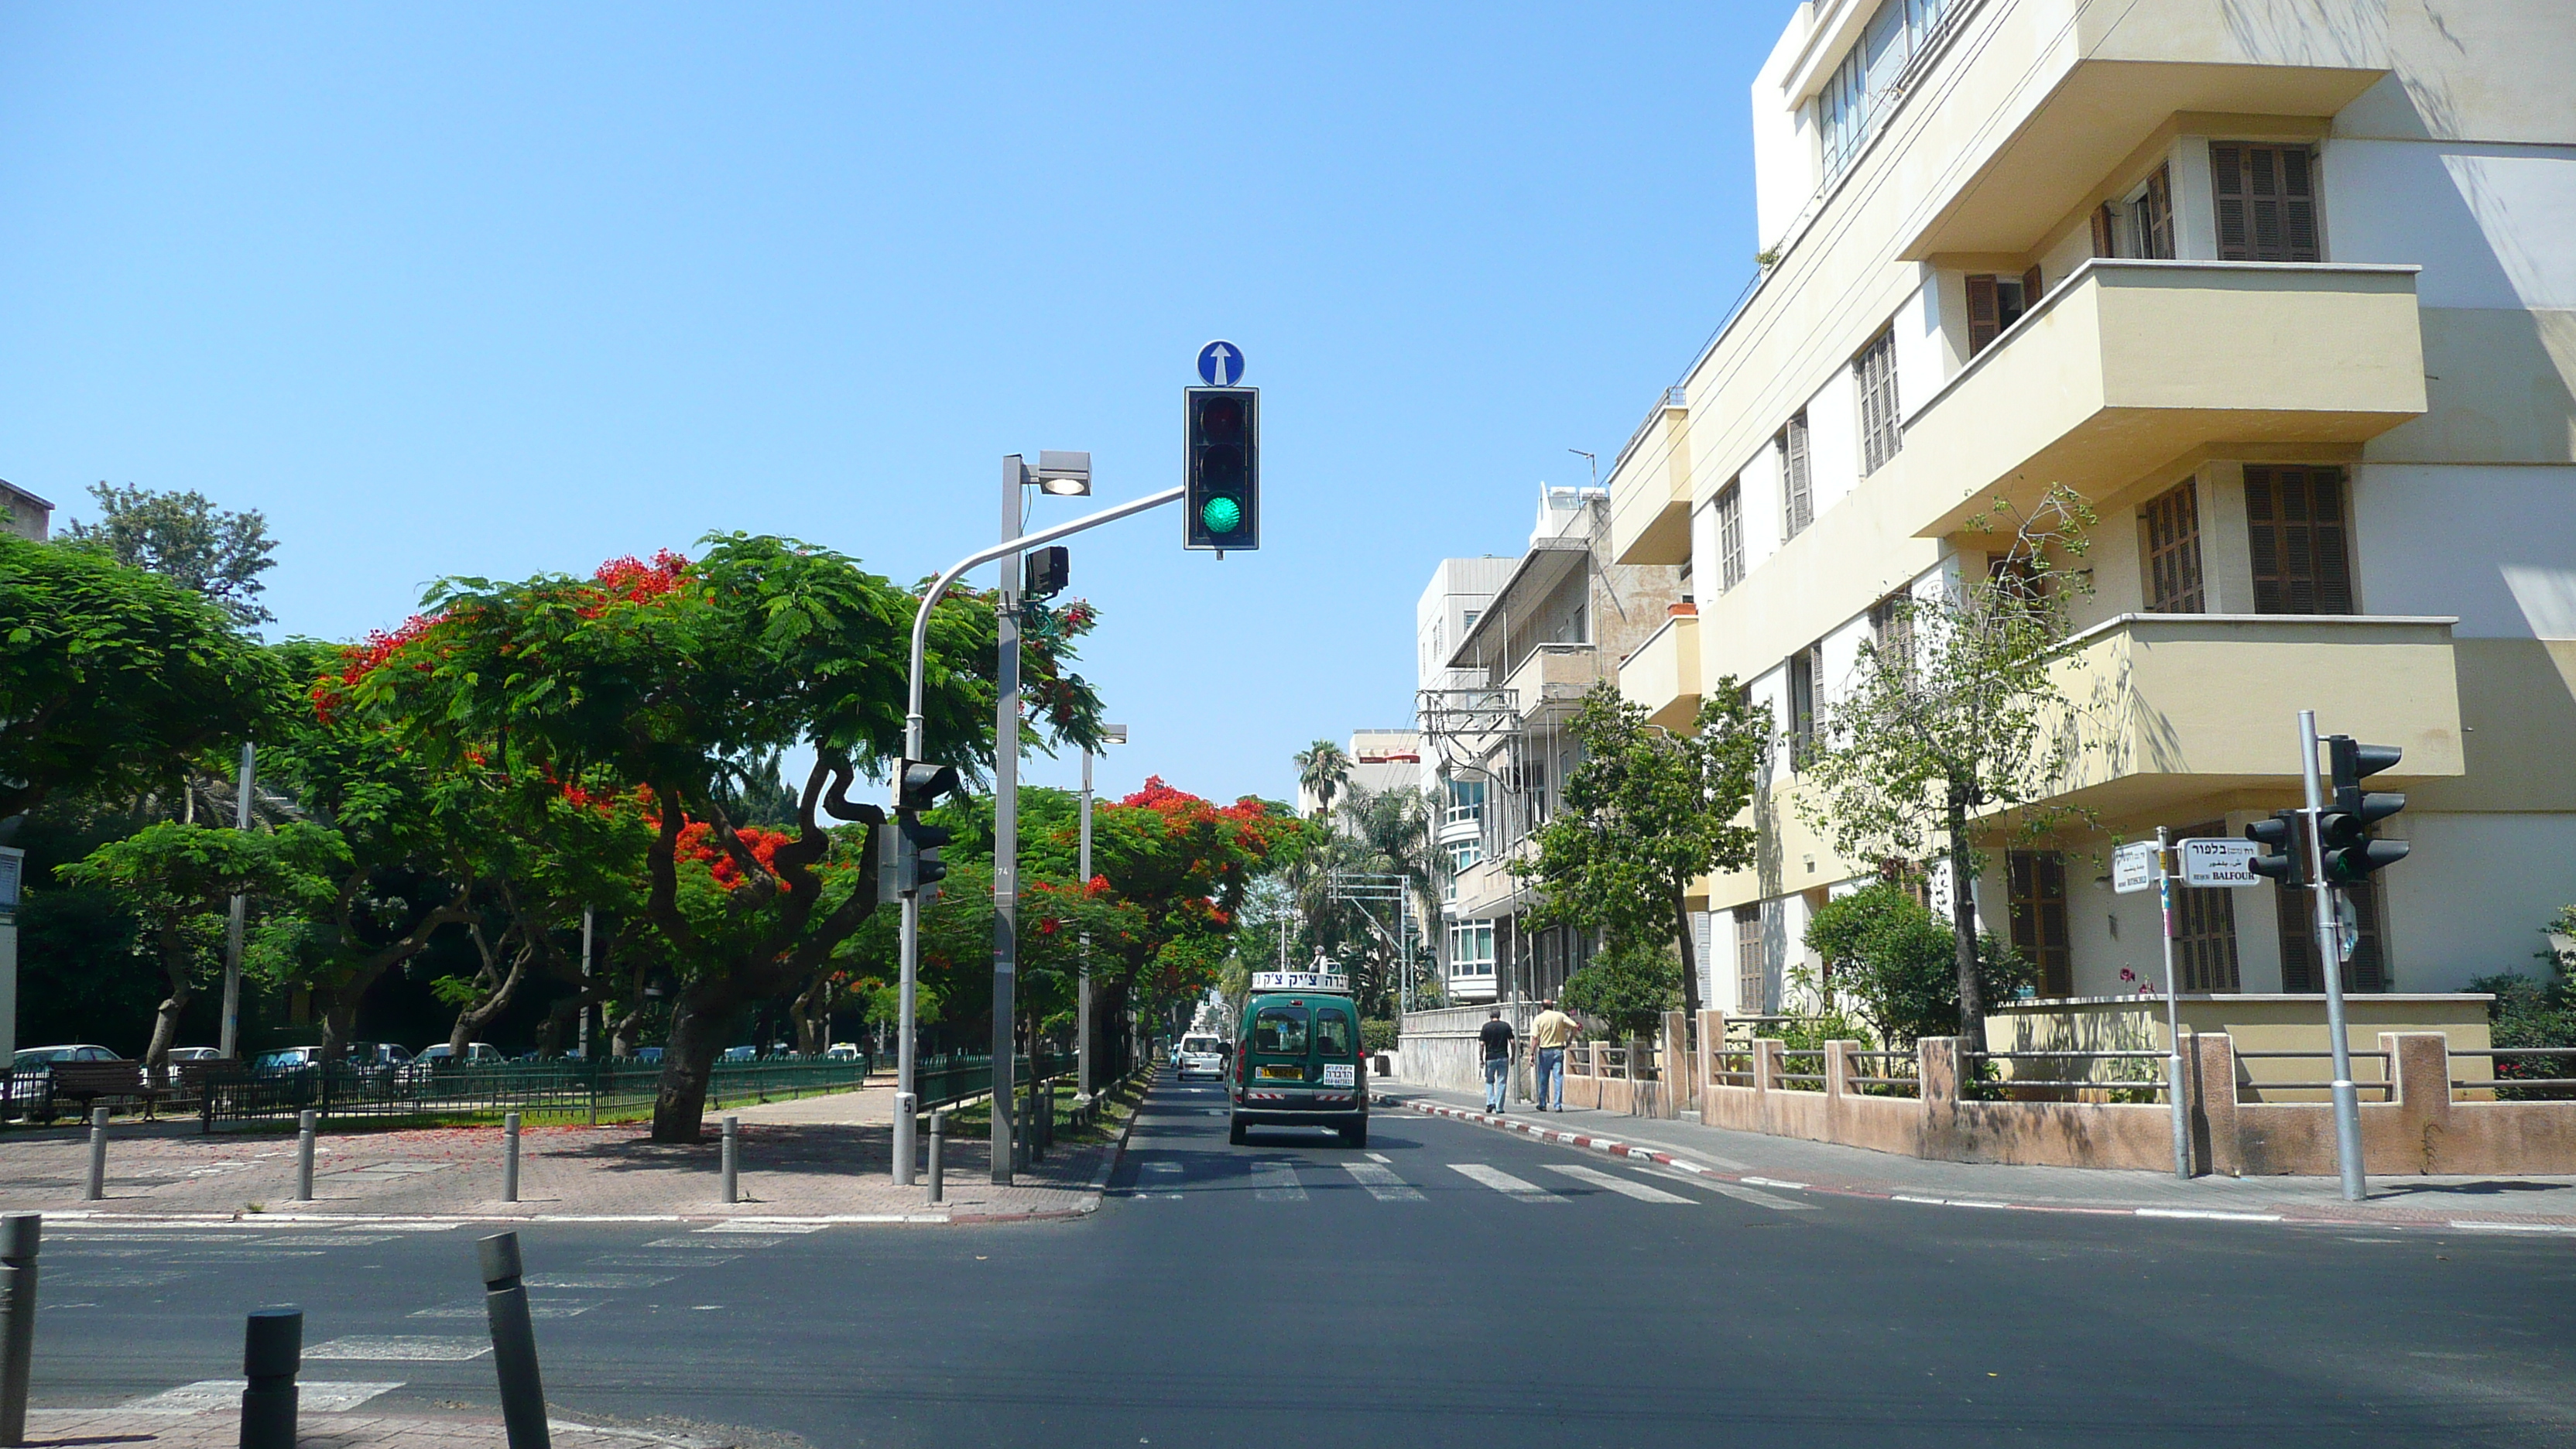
{"x": 25, "y": 514}
{"x": 2287, "y": 292}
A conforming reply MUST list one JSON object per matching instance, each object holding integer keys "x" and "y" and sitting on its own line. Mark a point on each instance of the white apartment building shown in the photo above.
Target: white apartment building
{"x": 2287, "y": 290}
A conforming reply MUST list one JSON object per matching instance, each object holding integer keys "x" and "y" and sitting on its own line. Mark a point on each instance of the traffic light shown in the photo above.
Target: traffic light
{"x": 1221, "y": 465}
{"x": 1045, "y": 571}
{"x": 919, "y": 784}
{"x": 2280, "y": 836}
{"x": 917, "y": 866}
{"x": 2344, "y": 827}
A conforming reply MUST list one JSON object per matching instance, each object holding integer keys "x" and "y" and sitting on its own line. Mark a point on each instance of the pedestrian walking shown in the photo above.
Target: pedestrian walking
{"x": 1497, "y": 1038}
{"x": 1551, "y": 1034}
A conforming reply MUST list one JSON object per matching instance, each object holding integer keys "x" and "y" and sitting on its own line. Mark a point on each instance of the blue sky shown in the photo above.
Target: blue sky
{"x": 497, "y": 290}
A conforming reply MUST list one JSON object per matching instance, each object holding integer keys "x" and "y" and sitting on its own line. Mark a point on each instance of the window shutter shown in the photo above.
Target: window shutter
{"x": 2296, "y": 526}
{"x": 1982, "y": 324}
{"x": 1797, "y": 480}
{"x": 2267, "y": 204}
{"x": 2159, "y": 238}
{"x": 2227, "y": 179}
{"x": 2103, "y": 232}
{"x": 2032, "y": 289}
{"x": 2173, "y": 552}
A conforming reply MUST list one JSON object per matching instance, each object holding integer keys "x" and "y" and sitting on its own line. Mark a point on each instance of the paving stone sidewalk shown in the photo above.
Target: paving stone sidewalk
{"x": 818, "y": 1157}
{"x": 221, "y": 1429}
{"x": 2529, "y": 1203}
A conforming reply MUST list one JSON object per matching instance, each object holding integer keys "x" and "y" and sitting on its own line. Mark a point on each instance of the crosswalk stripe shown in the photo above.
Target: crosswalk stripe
{"x": 315, "y": 1395}
{"x": 1276, "y": 1182}
{"x": 1504, "y": 1183}
{"x": 383, "y": 1348}
{"x": 1620, "y": 1185}
{"x": 1381, "y": 1183}
{"x": 1759, "y": 1199}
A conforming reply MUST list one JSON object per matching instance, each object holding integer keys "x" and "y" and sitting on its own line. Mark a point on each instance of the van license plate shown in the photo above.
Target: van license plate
{"x": 1281, "y": 1074}
{"x": 1337, "y": 1074}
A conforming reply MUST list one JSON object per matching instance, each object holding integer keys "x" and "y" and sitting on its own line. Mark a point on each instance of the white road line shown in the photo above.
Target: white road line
{"x": 662, "y": 1260}
{"x": 387, "y": 1348}
{"x": 757, "y": 1225}
{"x": 735, "y": 1241}
{"x": 204, "y": 1394}
{"x": 1620, "y": 1185}
{"x": 1377, "y": 1157}
{"x": 597, "y": 1281}
{"x": 2207, "y": 1213}
{"x": 1382, "y": 1183}
{"x": 1276, "y": 1182}
{"x": 2472, "y": 1226}
{"x": 1758, "y": 1199}
{"x": 1504, "y": 1183}
{"x": 540, "y": 1308}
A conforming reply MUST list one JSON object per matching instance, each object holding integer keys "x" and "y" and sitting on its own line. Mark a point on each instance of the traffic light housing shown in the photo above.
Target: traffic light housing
{"x": 2344, "y": 827}
{"x": 1044, "y": 572}
{"x": 2279, "y": 836}
{"x": 1221, "y": 466}
{"x": 917, "y": 866}
{"x": 918, "y": 784}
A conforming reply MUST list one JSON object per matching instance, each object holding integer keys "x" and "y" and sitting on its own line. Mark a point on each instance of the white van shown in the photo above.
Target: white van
{"x": 1201, "y": 1054}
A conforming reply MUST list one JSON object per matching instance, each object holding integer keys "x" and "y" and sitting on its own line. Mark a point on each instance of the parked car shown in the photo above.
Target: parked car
{"x": 194, "y": 1054}
{"x": 844, "y": 1051}
{"x": 46, "y": 1056}
{"x": 287, "y": 1059}
{"x": 438, "y": 1053}
{"x": 1201, "y": 1053}
{"x": 650, "y": 1056}
{"x": 739, "y": 1054}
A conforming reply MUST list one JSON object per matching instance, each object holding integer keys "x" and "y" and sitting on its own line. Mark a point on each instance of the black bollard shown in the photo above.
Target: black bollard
{"x": 272, "y": 1351}
{"x": 514, "y": 1343}
{"x": 19, "y": 1233}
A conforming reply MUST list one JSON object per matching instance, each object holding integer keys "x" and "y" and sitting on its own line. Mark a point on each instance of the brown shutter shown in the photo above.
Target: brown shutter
{"x": 2298, "y": 204}
{"x": 2103, "y": 232}
{"x": 2267, "y": 204}
{"x": 2227, "y": 178}
{"x": 2159, "y": 238}
{"x": 2031, "y": 289}
{"x": 2300, "y": 540}
{"x": 1982, "y": 324}
{"x": 2173, "y": 552}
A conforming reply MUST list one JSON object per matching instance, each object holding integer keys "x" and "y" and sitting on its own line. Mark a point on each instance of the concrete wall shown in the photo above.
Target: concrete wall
{"x": 1440, "y": 1048}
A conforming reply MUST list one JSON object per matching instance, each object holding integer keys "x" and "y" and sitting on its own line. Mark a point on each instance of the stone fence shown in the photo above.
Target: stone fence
{"x": 1440, "y": 1048}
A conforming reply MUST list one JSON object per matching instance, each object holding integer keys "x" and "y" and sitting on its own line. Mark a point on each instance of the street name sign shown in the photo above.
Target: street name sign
{"x": 2219, "y": 862}
{"x": 2133, "y": 867}
{"x": 1220, "y": 364}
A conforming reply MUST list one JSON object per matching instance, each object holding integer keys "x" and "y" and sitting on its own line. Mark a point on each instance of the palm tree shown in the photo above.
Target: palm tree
{"x": 1322, "y": 767}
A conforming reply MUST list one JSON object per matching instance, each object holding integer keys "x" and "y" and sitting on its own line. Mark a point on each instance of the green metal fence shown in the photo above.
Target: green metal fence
{"x": 561, "y": 1089}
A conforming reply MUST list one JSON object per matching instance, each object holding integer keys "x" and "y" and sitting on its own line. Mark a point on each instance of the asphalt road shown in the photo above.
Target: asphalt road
{"x": 1451, "y": 1285}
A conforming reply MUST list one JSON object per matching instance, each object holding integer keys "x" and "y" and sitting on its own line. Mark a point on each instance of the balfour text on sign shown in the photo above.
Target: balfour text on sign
{"x": 2219, "y": 862}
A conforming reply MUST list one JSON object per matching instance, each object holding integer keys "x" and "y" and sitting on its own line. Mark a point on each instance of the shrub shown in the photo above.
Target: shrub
{"x": 1377, "y": 1034}
{"x": 1897, "y": 960}
{"x": 1628, "y": 988}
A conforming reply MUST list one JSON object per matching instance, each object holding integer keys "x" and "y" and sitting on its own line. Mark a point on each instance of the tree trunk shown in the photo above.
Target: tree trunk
{"x": 699, "y": 1027}
{"x": 1690, "y": 958}
{"x": 472, "y": 1017}
{"x": 339, "y": 1023}
{"x": 165, "y": 1020}
{"x": 813, "y": 1015}
{"x": 1963, "y": 928}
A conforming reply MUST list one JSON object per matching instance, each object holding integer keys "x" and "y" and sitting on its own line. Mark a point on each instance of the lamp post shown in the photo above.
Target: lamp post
{"x": 1109, "y": 735}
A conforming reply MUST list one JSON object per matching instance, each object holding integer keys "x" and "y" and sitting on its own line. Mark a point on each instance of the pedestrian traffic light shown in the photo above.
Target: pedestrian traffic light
{"x": 917, "y": 866}
{"x": 2344, "y": 827}
{"x": 2279, "y": 835}
{"x": 1221, "y": 466}
{"x": 1045, "y": 571}
{"x": 919, "y": 784}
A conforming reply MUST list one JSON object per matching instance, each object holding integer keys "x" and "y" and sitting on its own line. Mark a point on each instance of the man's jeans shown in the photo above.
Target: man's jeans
{"x": 1498, "y": 1081}
{"x": 1551, "y": 1074}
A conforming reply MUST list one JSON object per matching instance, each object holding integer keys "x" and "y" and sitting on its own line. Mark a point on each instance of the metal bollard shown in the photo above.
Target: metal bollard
{"x": 509, "y": 1157}
{"x": 18, "y": 1235}
{"x": 732, "y": 1161}
{"x": 272, "y": 1351}
{"x": 305, "y": 1123}
{"x": 514, "y": 1342}
{"x": 97, "y": 1155}
{"x": 938, "y": 1149}
{"x": 906, "y": 1108}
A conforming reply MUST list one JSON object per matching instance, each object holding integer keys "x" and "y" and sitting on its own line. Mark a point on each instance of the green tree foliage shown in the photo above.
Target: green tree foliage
{"x": 184, "y": 538}
{"x": 1628, "y": 987}
{"x": 2530, "y": 1012}
{"x": 1646, "y": 813}
{"x": 1891, "y": 955}
{"x": 112, "y": 679}
{"x": 1952, "y": 714}
{"x": 1322, "y": 768}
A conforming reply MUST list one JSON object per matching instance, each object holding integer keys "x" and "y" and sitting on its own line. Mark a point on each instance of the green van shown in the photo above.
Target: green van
{"x": 1297, "y": 1058}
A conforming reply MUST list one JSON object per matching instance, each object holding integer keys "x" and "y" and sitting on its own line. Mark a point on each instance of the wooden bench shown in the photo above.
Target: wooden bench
{"x": 87, "y": 1082}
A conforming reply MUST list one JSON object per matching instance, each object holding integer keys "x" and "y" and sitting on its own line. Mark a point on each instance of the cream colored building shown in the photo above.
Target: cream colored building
{"x": 2287, "y": 290}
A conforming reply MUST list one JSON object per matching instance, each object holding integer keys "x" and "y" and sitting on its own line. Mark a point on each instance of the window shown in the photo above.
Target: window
{"x": 2141, "y": 225}
{"x": 2038, "y": 882}
{"x": 1280, "y": 1029}
{"x": 2296, "y": 911}
{"x": 1802, "y": 706}
{"x": 1995, "y": 304}
{"x": 2171, "y": 524}
{"x": 1730, "y": 536}
{"x": 1468, "y": 621}
{"x": 1750, "y": 977}
{"x": 1867, "y": 84}
{"x": 1875, "y": 370}
{"x": 2267, "y": 202}
{"x": 1891, "y": 629}
{"x": 1471, "y": 948}
{"x": 1464, "y": 855}
{"x": 1333, "y": 1034}
{"x": 1797, "y": 479}
{"x": 2205, "y": 929}
{"x": 2297, "y": 532}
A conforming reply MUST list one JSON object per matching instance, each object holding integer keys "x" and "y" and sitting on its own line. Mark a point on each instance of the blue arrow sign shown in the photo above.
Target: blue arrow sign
{"x": 1221, "y": 364}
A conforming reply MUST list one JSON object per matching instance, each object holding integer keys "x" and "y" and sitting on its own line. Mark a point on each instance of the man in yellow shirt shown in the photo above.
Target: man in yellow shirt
{"x": 1551, "y": 1034}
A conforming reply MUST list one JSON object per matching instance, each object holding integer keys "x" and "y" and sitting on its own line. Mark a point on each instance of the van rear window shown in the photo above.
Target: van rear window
{"x": 1280, "y": 1029}
{"x": 1333, "y": 1033}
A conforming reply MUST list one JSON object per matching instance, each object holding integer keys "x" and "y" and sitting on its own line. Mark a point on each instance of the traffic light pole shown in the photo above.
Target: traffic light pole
{"x": 907, "y": 1097}
{"x": 1006, "y": 830}
{"x": 2347, "y": 1101}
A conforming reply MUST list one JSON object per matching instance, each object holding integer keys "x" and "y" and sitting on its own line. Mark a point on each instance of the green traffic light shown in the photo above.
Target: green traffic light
{"x": 1221, "y": 515}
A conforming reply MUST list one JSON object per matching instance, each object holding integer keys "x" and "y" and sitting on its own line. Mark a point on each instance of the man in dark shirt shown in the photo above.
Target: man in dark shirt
{"x": 1497, "y": 1039}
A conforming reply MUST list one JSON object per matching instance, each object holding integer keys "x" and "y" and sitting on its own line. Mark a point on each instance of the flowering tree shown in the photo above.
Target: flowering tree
{"x": 660, "y": 676}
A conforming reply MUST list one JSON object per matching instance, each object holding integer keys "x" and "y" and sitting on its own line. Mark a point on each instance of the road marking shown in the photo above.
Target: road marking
{"x": 1377, "y": 1157}
{"x": 662, "y": 1260}
{"x": 1382, "y": 1183}
{"x": 540, "y": 1308}
{"x": 734, "y": 1241}
{"x": 759, "y": 1226}
{"x": 104, "y": 1278}
{"x": 204, "y": 1394}
{"x": 1276, "y": 1182}
{"x": 2473, "y": 1226}
{"x": 2210, "y": 1214}
{"x": 596, "y": 1281}
{"x": 386, "y": 1348}
{"x": 1775, "y": 1182}
{"x": 1504, "y": 1183}
{"x": 1758, "y": 1199}
{"x": 1620, "y": 1185}
{"x": 1714, "y": 1160}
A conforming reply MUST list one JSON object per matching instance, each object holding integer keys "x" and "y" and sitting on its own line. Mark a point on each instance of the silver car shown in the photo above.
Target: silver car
{"x": 1200, "y": 1056}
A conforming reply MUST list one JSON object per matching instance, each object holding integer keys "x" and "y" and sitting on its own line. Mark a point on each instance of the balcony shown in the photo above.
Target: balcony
{"x": 2167, "y": 708}
{"x": 2130, "y": 365}
{"x": 1650, "y": 488}
{"x": 1663, "y": 675}
{"x": 1553, "y": 679}
{"x": 1462, "y": 822}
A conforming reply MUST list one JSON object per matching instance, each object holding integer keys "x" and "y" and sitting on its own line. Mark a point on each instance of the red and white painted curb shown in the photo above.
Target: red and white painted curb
{"x": 1612, "y": 1148}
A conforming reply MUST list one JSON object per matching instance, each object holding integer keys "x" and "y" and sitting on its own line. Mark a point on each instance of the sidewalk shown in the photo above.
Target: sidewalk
{"x": 221, "y": 1429}
{"x": 815, "y": 1157}
{"x": 2533, "y": 1204}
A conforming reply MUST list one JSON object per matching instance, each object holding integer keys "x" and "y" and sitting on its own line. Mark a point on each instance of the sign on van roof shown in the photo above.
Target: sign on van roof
{"x": 1300, "y": 981}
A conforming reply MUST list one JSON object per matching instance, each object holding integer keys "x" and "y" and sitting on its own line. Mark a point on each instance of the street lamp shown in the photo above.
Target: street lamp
{"x": 1062, "y": 475}
{"x": 1110, "y": 734}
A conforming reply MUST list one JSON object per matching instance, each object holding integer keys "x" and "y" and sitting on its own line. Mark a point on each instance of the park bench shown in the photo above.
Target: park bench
{"x": 88, "y": 1082}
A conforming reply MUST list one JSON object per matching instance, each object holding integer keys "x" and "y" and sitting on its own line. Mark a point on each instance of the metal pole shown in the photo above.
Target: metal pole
{"x": 2173, "y": 1011}
{"x": 938, "y": 1150}
{"x": 514, "y": 1342}
{"x": 272, "y": 1351}
{"x": 306, "y": 1123}
{"x": 732, "y": 1160}
{"x": 2347, "y": 1102}
{"x": 19, "y": 1234}
{"x": 1006, "y": 825}
{"x": 509, "y": 1157}
{"x": 97, "y": 1188}
{"x": 228, "y": 1036}
{"x": 585, "y": 987}
{"x": 1082, "y": 998}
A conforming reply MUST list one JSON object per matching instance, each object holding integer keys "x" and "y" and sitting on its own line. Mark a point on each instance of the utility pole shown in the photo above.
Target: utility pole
{"x": 1006, "y": 825}
{"x": 1109, "y": 735}
{"x": 2347, "y": 1102}
{"x": 229, "y": 1042}
{"x": 585, "y": 982}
